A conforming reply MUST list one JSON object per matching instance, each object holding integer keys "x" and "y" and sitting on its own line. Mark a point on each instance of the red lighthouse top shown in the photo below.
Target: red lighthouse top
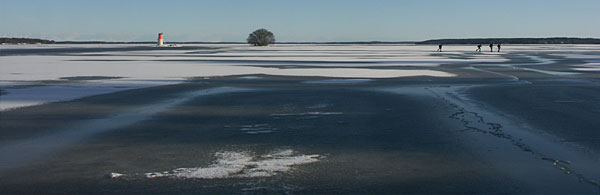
{"x": 160, "y": 36}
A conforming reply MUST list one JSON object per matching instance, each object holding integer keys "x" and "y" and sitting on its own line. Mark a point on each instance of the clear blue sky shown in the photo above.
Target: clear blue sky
{"x": 297, "y": 20}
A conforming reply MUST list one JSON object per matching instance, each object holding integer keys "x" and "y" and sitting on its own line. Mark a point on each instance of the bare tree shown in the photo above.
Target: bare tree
{"x": 261, "y": 37}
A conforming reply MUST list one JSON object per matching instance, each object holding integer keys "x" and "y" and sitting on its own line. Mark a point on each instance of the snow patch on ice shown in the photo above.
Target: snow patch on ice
{"x": 588, "y": 67}
{"x": 114, "y": 175}
{"x": 231, "y": 164}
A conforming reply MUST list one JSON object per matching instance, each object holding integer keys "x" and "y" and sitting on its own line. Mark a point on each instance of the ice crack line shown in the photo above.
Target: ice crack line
{"x": 472, "y": 121}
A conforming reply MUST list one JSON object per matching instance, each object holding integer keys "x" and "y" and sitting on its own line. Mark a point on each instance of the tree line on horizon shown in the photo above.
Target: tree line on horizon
{"x": 25, "y": 41}
{"x": 263, "y": 37}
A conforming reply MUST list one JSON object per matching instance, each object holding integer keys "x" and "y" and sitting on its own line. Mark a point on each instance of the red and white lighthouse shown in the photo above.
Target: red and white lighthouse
{"x": 160, "y": 39}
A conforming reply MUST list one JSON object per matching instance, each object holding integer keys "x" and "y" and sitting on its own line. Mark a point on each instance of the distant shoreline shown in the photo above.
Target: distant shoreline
{"x": 551, "y": 40}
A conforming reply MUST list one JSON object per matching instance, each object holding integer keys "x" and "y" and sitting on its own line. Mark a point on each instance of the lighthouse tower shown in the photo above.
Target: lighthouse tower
{"x": 160, "y": 39}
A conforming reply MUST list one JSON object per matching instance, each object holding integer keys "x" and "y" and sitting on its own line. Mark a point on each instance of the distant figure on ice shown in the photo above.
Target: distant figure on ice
{"x": 478, "y": 48}
{"x": 491, "y": 47}
{"x": 439, "y": 48}
{"x": 498, "y": 47}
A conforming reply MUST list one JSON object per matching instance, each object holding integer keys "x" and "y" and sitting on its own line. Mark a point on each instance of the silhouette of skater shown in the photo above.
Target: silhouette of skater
{"x": 478, "y": 48}
{"x": 498, "y": 47}
{"x": 491, "y": 47}
{"x": 439, "y": 48}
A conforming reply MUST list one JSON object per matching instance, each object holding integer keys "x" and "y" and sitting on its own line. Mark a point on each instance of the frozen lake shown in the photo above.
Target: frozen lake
{"x": 299, "y": 118}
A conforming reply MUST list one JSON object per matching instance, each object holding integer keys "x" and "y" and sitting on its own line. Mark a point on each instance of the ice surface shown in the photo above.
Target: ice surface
{"x": 20, "y": 68}
{"x": 29, "y": 96}
{"x": 24, "y": 151}
{"x": 319, "y": 106}
{"x": 537, "y": 61}
{"x": 137, "y": 69}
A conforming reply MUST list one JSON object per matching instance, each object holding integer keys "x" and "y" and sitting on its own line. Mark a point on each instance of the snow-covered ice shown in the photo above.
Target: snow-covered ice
{"x": 137, "y": 69}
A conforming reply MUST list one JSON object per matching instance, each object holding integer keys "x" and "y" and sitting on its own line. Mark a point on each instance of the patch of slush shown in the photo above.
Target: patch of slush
{"x": 231, "y": 164}
{"x": 338, "y": 81}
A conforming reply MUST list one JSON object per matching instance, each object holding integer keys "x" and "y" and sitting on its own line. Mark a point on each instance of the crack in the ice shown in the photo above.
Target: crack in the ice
{"x": 495, "y": 129}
